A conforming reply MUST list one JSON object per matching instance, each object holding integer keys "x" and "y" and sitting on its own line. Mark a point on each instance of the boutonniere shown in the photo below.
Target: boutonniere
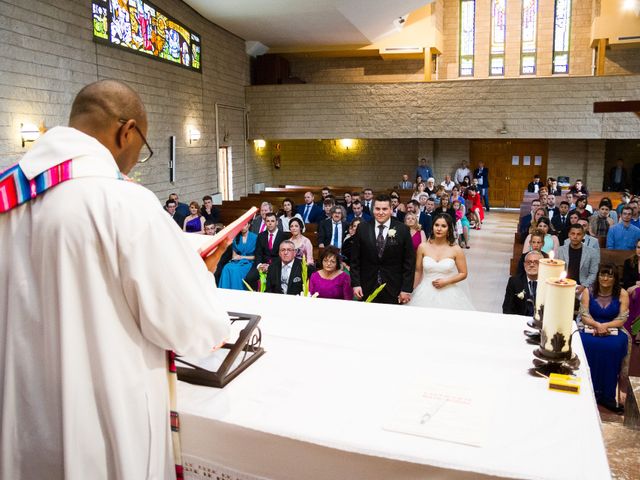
{"x": 297, "y": 279}
{"x": 520, "y": 295}
{"x": 392, "y": 232}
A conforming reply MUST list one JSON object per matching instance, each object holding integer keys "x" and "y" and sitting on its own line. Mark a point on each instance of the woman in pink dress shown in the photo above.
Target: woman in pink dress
{"x": 330, "y": 281}
{"x": 417, "y": 235}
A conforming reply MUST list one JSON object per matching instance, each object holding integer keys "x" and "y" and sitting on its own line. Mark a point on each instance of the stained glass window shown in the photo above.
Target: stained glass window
{"x": 140, "y": 26}
{"x": 561, "y": 34}
{"x": 529, "y": 32}
{"x": 498, "y": 36}
{"x": 467, "y": 36}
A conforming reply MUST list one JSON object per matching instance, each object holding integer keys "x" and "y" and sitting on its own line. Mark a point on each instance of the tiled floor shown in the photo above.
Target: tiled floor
{"x": 488, "y": 262}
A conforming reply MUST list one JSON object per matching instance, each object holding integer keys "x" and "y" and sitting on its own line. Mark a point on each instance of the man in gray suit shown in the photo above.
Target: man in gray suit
{"x": 582, "y": 261}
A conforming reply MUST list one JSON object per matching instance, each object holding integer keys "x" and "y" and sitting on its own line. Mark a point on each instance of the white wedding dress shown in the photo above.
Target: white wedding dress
{"x": 454, "y": 297}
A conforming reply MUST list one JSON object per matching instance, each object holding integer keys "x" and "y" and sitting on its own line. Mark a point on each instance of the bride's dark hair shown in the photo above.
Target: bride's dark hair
{"x": 451, "y": 239}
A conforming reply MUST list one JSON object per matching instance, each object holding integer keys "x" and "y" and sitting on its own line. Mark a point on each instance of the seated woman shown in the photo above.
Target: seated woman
{"x": 581, "y": 208}
{"x": 419, "y": 189}
{"x": 551, "y": 243}
{"x": 330, "y": 281}
{"x": 600, "y": 221}
{"x": 430, "y": 187}
{"x": 604, "y": 306}
{"x": 244, "y": 245}
{"x": 536, "y": 241}
{"x": 445, "y": 206}
{"x": 287, "y": 212}
{"x": 194, "y": 223}
{"x": 347, "y": 243}
{"x": 415, "y": 229}
{"x": 302, "y": 243}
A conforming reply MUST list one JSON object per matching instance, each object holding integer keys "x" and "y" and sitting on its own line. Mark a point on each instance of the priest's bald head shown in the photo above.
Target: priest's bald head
{"x": 113, "y": 113}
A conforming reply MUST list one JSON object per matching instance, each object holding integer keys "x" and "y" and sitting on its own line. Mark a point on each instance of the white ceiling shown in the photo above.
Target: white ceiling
{"x": 301, "y": 24}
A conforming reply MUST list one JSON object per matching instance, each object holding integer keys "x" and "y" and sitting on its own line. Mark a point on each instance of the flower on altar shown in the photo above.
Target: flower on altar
{"x": 392, "y": 232}
{"x": 520, "y": 295}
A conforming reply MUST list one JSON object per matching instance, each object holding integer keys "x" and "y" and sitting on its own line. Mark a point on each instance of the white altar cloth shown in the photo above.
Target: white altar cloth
{"x": 335, "y": 371}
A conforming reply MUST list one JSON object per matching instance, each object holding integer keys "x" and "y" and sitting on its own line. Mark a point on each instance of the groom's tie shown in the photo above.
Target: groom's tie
{"x": 380, "y": 240}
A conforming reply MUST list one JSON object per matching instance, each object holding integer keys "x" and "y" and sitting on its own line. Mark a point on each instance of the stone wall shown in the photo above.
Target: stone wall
{"x": 48, "y": 54}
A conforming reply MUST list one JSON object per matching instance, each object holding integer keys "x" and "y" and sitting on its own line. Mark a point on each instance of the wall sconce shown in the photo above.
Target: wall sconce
{"x": 29, "y": 132}
{"x": 194, "y": 135}
{"x": 259, "y": 144}
{"x": 503, "y": 130}
{"x": 346, "y": 143}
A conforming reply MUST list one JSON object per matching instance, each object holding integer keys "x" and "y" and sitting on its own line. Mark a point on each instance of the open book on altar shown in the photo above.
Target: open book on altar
{"x": 206, "y": 244}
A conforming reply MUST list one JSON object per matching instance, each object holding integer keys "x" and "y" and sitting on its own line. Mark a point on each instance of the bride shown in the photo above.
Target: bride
{"x": 441, "y": 269}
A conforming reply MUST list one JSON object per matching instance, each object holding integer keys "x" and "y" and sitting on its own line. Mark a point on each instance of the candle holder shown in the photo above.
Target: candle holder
{"x": 554, "y": 355}
{"x": 533, "y": 337}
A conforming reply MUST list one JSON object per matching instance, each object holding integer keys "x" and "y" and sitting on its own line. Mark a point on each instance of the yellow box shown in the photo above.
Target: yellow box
{"x": 564, "y": 383}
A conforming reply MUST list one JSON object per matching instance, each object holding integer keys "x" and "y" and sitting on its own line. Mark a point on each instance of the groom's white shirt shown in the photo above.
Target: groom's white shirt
{"x": 386, "y": 224}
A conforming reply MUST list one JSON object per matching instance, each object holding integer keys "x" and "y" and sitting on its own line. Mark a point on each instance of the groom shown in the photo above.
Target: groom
{"x": 383, "y": 253}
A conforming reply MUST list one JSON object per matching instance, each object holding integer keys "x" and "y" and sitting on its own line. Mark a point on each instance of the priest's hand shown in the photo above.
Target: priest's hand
{"x": 212, "y": 260}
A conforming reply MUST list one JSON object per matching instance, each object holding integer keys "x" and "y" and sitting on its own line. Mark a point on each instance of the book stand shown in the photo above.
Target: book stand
{"x": 246, "y": 350}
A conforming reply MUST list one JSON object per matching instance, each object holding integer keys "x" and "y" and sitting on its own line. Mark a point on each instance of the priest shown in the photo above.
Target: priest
{"x": 98, "y": 283}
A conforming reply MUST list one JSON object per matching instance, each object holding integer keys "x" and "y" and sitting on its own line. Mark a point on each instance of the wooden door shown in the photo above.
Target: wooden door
{"x": 511, "y": 164}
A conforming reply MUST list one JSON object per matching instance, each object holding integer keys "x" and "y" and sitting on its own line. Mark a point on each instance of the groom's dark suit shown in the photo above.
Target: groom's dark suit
{"x": 518, "y": 286}
{"x": 395, "y": 267}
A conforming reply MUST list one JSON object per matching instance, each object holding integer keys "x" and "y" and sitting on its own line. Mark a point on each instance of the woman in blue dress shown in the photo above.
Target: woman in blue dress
{"x": 244, "y": 246}
{"x": 605, "y": 308}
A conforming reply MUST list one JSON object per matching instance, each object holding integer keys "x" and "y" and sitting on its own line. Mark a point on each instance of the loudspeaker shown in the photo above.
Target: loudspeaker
{"x": 172, "y": 158}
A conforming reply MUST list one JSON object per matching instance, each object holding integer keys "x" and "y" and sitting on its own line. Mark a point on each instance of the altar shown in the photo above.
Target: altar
{"x": 320, "y": 402}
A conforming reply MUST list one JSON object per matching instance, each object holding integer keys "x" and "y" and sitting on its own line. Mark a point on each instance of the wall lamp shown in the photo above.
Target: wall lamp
{"x": 259, "y": 144}
{"x": 346, "y": 143}
{"x": 29, "y": 132}
{"x": 194, "y": 135}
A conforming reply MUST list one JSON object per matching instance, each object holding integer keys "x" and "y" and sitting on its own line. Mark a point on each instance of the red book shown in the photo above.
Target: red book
{"x": 206, "y": 244}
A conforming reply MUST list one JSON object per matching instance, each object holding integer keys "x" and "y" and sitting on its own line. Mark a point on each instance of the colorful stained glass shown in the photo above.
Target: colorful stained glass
{"x": 529, "y": 33}
{"x": 467, "y": 36}
{"x": 139, "y": 26}
{"x": 561, "y": 35}
{"x": 498, "y": 36}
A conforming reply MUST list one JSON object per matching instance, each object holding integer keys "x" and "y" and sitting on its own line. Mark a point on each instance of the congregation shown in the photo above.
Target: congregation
{"x": 267, "y": 255}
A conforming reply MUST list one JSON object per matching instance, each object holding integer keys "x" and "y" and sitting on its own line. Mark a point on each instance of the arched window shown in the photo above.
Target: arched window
{"x": 561, "y": 35}
{"x": 498, "y": 36}
{"x": 467, "y": 36}
{"x": 529, "y": 34}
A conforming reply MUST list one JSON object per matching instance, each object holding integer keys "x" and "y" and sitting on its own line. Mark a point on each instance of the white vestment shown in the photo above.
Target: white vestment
{"x": 97, "y": 282}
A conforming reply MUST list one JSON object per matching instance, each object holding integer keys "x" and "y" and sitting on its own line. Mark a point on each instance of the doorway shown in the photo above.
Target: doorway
{"x": 512, "y": 165}
{"x": 225, "y": 173}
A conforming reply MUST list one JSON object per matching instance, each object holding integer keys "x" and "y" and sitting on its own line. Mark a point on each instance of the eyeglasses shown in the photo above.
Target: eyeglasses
{"x": 329, "y": 260}
{"x": 287, "y": 249}
{"x": 150, "y": 153}
{"x": 606, "y": 275}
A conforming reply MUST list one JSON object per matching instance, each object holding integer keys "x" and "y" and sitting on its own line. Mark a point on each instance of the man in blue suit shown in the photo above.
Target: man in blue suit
{"x": 309, "y": 211}
{"x": 482, "y": 174}
{"x": 357, "y": 211}
{"x": 423, "y": 170}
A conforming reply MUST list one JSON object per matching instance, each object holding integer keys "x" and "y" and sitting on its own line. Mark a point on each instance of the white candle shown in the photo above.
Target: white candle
{"x": 547, "y": 268}
{"x": 560, "y": 295}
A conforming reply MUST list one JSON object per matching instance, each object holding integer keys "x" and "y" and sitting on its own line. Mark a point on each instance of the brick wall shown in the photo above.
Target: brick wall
{"x": 48, "y": 54}
{"x": 558, "y": 107}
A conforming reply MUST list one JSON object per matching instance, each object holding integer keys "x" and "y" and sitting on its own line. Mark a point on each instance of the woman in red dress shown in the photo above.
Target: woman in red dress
{"x": 474, "y": 205}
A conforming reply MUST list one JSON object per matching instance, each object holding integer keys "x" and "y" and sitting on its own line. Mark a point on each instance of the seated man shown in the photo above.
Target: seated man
{"x": 267, "y": 247}
{"x": 327, "y": 204}
{"x": 258, "y": 224}
{"x": 520, "y": 296}
{"x": 623, "y": 235}
{"x": 525, "y": 221}
{"x": 448, "y": 184}
{"x": 535, "y": 185}
{"x": 367, "y": 200}
{"x": 560, "y": 221}
{"x": 588, "y": 240}
{"x": 171, "y": 207}
{"x": 210, "y": 228}
{"x": 309, "y": 211}
{"x": 405, "y": 184}
{"x": 582, "y": 262}
{"x": 357, "y": 212}
{"x": 325, "y": 192}
{"x": 332, "y": 230}
{"x": 552, "y": 210}
{"x": 183, "y": 208}
{"x": 423, "y": 219}
{"x": 397, "y": 208}
{"x": 285, "y": 273}
{"x": 208, "y": 210}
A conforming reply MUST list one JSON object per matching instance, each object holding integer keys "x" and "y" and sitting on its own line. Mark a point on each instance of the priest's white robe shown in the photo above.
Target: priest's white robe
{"x": 97, "y": 282}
